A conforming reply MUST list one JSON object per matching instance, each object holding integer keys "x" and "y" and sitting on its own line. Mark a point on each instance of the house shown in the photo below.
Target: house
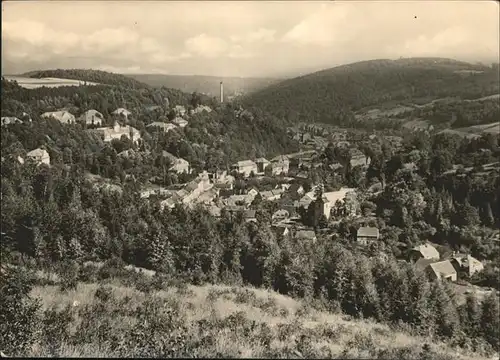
{"x": 253, "y": 192}
{"x": 178, "y": 165}
{"x": 332, "y": 198}
{"x": 122, "y": 112}
{"x": 239, "y": 200}
{"x": 441, "y": 270}
{"x": 201, "y": 108}
{"x": 280, "y": 165}
{"x": 426, "y": 251}
{"x": 117, "y": 131}
{"x": 180, "y": 110}
{"x": 61, "y": 116}
{"x": 358, "y": 158}
{"x": 7, "y": 120}
{"x": 180, "y": 122}
{"x": 280, "y": 215}
{"x": 262, "y": 163}
{"x": 245, "y": 167}
{"x": 250, "y": 216}
{"x": 306, "y": 235}
{"x": 272, "y": 195}
{"x": 466, "y": 263}
{"x": 166, "y": 127}
{"x": 40, "y": 156}
{"x": 366, "y": 235}
{"x": 91, "y": 117}
{"x": 281, "y": 230}
{"x": 196, "y": 187}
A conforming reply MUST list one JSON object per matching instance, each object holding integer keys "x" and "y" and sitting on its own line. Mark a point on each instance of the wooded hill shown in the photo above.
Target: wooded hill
{"x": 331, "y": 96}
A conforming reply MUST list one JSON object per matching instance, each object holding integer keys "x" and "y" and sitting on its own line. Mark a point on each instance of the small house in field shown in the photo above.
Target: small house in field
{"x": 426, "y": 251}
{"x": 441, "y": 270}
{"x": 367, "y": 235}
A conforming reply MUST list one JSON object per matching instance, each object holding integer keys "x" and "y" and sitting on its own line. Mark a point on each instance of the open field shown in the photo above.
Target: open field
{"x": 33, "y": 83}
{"x": 214, "y": 321}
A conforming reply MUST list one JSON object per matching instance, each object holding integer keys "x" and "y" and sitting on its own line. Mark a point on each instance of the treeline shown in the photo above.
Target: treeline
{"x": 329, "y": 96}
{"x": 95, "y": 76}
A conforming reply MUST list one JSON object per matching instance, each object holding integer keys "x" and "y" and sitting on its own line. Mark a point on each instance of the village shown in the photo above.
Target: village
{"x": 282, "y": 181}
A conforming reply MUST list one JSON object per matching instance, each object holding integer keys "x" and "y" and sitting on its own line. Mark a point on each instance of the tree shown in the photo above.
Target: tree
{"x": 490, "y": 320}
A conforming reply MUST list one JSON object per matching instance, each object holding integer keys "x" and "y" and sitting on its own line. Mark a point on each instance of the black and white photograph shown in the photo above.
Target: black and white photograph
{"x": 250, "y": 179}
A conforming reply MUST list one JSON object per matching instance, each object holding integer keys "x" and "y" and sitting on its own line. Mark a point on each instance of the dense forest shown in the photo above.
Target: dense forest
{"x": 330, "y": 96}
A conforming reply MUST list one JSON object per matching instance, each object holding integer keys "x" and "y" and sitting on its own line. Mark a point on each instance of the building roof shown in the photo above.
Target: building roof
{"x": 428, "y": 251}
{"x": 245, "y": 163}
{"x": 179, "y": 121}
{"x": 366, "y": 231}
{"x": 162, "y": 125}
{"x": 280, "y": 158}
{"x": 443, "y": 268}
{"x": 262, "y": 160}
{"x": 62, "y": 115}
{"x": 122, "y": 111}
{"x": 89, "y": 113}
{"x": 38, "y": 153}
{"x": 333, "y": 196}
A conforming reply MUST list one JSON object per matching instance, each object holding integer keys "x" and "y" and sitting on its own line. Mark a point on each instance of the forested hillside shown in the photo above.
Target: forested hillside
{"x": 331, "y": 96}
{"x": 96, "y": 76}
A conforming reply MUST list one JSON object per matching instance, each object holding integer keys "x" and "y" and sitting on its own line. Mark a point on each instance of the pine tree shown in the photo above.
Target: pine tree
{"x": 471, "y": 316}
{"x": 490, "y": 320}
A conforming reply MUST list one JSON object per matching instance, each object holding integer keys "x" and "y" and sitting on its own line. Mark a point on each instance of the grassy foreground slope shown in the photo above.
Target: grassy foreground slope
{"x": 112, "y": 312}
{"x": 330, "y": 96}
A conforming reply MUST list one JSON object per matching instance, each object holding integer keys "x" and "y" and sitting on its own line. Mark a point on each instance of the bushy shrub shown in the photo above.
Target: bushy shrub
{"x": 19, "y": 313}
{"x": 68, "y": 273}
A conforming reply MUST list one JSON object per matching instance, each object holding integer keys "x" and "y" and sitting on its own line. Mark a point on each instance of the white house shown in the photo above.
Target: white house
{"x": 62, "y": 116}
{"x": 180, "y": 122}
{"x": 40, "y": 156}
{"x": 122, "y": 112}
{"x": 6, "y": 120}
{"x": 91, "y": 117}
{"x": 117, "y": 131}
{"x": 166, "y": 127}
{"x": 245, "y": 167}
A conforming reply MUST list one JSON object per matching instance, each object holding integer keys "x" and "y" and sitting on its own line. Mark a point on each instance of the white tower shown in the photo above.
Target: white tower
{"x": 221, "y": 92}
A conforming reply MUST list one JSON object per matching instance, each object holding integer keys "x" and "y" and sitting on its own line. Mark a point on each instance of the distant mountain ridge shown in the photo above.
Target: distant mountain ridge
{"x": 205, "y": 84}
{"x": 96, "y": 76}
{"x": 332, "y": 95}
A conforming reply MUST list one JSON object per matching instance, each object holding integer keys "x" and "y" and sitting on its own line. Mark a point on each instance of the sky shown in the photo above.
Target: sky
{"x": 241, "y": 38}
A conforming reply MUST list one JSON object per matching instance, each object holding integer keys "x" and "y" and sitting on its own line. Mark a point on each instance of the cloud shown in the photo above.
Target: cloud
{"x": 206, "y": 46}
{"x": 261, "y": 35}
{"x": 39, "y": 42}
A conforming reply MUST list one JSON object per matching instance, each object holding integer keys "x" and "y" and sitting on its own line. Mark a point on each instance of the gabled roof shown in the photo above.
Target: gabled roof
{"x": 427, "y": 251}
{"x": 122, "y": 111}
{"x": 249, "y": 214}
{"x": 443, "y": 268}
{"x": 262, "y": 160}
{"x": 245, "y": 163}
{"x": 39, "y": 153}
{"x": 280, "y": 158}
{"x": 367, "y": 231}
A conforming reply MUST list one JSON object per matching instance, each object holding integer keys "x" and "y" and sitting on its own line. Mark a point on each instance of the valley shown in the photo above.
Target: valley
{"x": 352, "y": 212}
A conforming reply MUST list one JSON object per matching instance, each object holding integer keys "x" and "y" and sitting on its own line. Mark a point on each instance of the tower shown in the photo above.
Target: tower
{"x": 221, "y": 92}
